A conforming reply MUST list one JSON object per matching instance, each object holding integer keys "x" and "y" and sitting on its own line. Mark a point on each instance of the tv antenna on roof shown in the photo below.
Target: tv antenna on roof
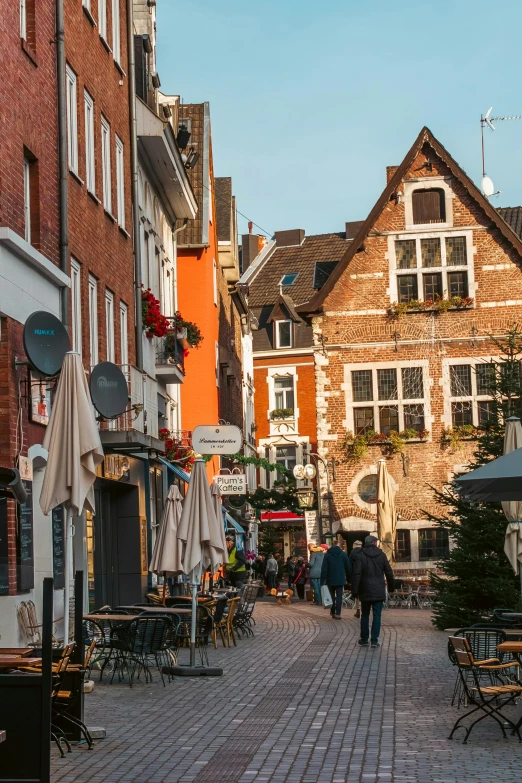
{"x": 486, "y": 119}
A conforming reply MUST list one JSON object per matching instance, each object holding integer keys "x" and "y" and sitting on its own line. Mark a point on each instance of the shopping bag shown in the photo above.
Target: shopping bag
{"x": 326, "y": 597}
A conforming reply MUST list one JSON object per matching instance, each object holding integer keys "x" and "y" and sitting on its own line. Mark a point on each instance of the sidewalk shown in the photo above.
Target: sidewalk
{"x": 298, "y": 703}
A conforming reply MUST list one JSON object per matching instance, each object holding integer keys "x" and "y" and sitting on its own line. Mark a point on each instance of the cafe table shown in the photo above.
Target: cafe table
{"x": 114, "y": 618}
{"x": 167, "y": 609}
{"x": 17, "y": 662}
{"x": 21, "y": 651}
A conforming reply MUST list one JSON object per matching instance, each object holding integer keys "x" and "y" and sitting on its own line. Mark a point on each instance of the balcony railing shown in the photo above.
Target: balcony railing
{"x": 170, "y": 359}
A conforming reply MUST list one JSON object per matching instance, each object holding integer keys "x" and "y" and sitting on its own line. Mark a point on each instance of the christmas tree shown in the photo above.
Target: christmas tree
{"x": 477, "y": 574}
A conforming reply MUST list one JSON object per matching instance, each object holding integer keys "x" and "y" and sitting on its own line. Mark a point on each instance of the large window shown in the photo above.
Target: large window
{"x": 124, "y": 335}
{"x": 429, "y": 206}
{"x": 120, "y": 182}
{"x": 102, "y": 18}
{"x": 27, "y": 199}
{"x": 433, "y": 543}
{"x": 396, "y": 395}
{"x": 90, "y": 168}
{"x": 76, "y": 306}
{"x": 109, "y": 324}
{"x": 431, "y": 267}
{"x": 286, "y": 455}
{"x": 116, "y": 47}
{"x": 106, "y": 164}
{"x": 283, "y": 331}
{"x": 72, "y": 119}
{"x": 470, "y": 392}
{"x": 403, "y": 545}
{"x": 93, "y": 319}
{"x": 284, "y": 392}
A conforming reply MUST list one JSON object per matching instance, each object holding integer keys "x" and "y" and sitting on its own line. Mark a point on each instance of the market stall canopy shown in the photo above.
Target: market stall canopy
{"x": 499, "y": 480}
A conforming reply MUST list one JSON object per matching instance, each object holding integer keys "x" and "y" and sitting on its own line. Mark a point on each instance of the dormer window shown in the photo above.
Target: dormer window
{"x": 429, "y": 206}
{"x": 289, "y": 279}
{"x": 283, "y": 334}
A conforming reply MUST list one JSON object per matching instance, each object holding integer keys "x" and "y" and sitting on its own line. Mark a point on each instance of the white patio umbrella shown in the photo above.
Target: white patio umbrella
{"x": 200, "y": 532}
{"x": 513, "y": 508}
{"x": 73, "y": 443}
{"x": 215, "y": 493}
{"x": 386, "y": 516}
{"x": 167, "y": 554}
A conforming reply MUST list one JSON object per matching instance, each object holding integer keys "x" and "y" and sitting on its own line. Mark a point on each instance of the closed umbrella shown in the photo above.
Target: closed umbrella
{"x": 513, "y": 508}
{"x": 75, "y": 450}
{"x": 166, "y": 556}
{"x": 200, "y": 532}
{"x": 218, "y": 508}
{"x": 385, "y": 511}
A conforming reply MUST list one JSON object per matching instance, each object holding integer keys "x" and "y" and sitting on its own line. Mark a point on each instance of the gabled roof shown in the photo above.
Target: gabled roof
{"x": 513, "y": 217}
{"x": 283, "y": 305}
{"x": 425, "y": 137}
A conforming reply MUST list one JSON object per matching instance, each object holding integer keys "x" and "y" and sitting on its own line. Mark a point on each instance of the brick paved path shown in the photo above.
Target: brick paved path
{"x": 299, "y": 703}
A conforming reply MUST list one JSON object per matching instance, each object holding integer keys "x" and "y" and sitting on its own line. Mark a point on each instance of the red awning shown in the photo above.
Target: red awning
{"x": 281, "y": 516}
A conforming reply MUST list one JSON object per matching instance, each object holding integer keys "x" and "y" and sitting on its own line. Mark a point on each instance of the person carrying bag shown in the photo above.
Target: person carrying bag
{"x": 300, "y": 579}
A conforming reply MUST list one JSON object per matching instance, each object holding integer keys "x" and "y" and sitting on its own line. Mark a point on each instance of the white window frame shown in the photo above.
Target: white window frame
{"x": 27, "y": 199}
{"x": 283, "y": 376}
{"x": 214, "y": 281}
{"x": 23, "y": 20}
{"x": 90, "y": 160}
{"x": 124, "y": 334}
{"x": 419, "y": 270}
{"x": 281, "y": 371}
{"x": 427, "y": 183}
{"x": 76, "y": 306}
{"x": 72, "y": 119}
{"x": 109, "y": 325}
{"x": 474, "y": 398}
{"x": 93, "y": 320}
{"x": 116, "y": 31}
{"x": 106, "y": 164}
{"x": 102, "y": 19}
{"x": 87, "y": 4}
{"x": 400, "y": 402}
{"x": 218, "y": 369}
{"x": 284, "y": 321}
{"x": 120, "y": 182}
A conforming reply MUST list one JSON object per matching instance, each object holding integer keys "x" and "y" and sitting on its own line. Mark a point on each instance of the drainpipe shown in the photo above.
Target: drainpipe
{"x": 175, "y": 232}
{"x": 134, "y": 186}
{"x": 63, "y": 165}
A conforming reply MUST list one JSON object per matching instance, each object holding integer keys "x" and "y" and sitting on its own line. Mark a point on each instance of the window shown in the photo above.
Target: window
{"x": 102, "y": 18}
{"x": 217, "y": 365}
{"x": 486, "y": 378}
{"x": 406, "y": 254}
{"x": 460, "y": 377}
{"x": 432, "y": 285}
{"x": 93, "y": 319}
{"x": 461, "y": 413}
{"x": 214, "y": 281}
{"x": 433, "y": 543}
{"x": 429, "y": 206}
{"x": 431, "y": 252}
{"x": 286, "y": 455}
{"x": 23, "y": 19}
{"x": 456, "y": 254}
{"x": 322, "y": 271}
{"x": 445, "y": 257}
{"x": 31, "y": 199}
{"x": 283, "y": 334}
{"x": 284, "y": 392}
{"x": 106, "y": 164}
{"x": 27, "y": 199}
{"x": 87, "y": 4}
{"x": 486, "y": 412}
{"x": 458, "y": 284}
{"x": 72, "y": 120}
{"x": 90, "y": 168}
{"x": 403, "y": 545}
{"x": 290, "y": 279}
{"x": 471, "y": 386}
{"x": 109, "y": 324}
{"x": 401, "y": 388}
{"x": 124, "y": 335}
{"x": 76, "y": 306}
{"x": 367, "y": 488}
{"x": 407, "y": 288}
{"x": 116, "y": 48}
{"x": 120, "y": 182}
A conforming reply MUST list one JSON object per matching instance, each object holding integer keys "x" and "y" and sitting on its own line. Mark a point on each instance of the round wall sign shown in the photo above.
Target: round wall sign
{"x": 109, "y": 392}
{"x": 45, "y": 342}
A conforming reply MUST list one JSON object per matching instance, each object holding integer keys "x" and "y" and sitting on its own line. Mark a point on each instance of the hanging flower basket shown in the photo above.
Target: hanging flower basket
{"x": 155, "y": 324}
{"x": 177, "y": 451}
{"x": 189, "y": 331}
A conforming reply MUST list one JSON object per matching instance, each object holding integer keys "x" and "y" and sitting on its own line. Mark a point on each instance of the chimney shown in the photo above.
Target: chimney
{"x": 390, "y": 171}
{"x": 250, "y": 226}
{"x": 294, "y": 236}
{"x": 249, "y": 250}
{"x": 352, "y": 228}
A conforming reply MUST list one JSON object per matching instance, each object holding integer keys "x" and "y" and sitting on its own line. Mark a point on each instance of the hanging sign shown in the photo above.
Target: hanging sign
{"x": 45, "y": 342}
{"x": 217, "y": 439}
{"x": 58, "y": 548}
{"x": 232, "y": 483}
{"x": 25, "y": 551}
{"x": 312, "y": 533}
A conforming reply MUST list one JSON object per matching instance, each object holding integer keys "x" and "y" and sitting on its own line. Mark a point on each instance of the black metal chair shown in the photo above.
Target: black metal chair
{"x": 243, "y": 619}
{"x": 483, "y": 641}
{"x": 204, "y": 628}
{"x": 138, "y": 642}
{"x": 499, "y": 615}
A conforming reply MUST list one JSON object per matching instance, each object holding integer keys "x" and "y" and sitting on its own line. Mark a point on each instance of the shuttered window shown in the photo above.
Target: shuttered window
{"x": 428, "y": 206}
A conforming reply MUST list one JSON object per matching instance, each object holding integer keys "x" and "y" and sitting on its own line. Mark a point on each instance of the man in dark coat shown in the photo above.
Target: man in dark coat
{"x": 370, "y": 568}
{"x": 356, "y": 550}
{"x": 336, "y": 570}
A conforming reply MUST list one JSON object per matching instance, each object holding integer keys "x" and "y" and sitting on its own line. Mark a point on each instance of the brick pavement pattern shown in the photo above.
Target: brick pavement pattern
{"x": 298, "y": 703}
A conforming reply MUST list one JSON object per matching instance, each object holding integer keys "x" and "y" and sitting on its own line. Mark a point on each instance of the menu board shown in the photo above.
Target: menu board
{"x": 25, "y": 553}
{"x": 57, "y": 515}
{"x": 4, "y": 570}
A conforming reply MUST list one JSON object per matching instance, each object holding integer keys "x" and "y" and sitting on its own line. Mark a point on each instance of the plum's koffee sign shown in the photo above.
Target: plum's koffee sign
{"x": 217, "y": 439}
{"x": 231, "y": 483}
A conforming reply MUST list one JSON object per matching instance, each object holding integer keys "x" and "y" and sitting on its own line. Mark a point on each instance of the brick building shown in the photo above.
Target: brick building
{"x": 393, "y": 355}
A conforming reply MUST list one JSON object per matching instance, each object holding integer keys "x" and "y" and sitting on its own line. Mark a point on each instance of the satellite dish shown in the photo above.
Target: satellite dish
{"x": 488, "y": 188}
{"x": 109, "y": 391}
{"x": 45, "y": 342}
{"x": 299, "y": 471}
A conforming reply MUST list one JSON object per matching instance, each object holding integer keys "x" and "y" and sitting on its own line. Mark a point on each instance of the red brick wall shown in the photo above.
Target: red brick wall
{"x": 95, "y": 240}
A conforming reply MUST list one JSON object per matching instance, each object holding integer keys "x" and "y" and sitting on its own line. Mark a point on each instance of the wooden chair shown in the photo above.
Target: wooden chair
{"x": 31, "y": 628}
{"x": 485, "y": 698}
{"x": 226, "y": 625}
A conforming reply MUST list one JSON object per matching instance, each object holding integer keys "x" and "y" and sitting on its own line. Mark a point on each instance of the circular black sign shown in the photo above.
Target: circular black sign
{"x": 45, "y": 342}
{"x": 109, "y": 392}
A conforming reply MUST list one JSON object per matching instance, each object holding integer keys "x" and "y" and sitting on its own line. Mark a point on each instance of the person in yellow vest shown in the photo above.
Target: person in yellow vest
{"x": 236, "y": 567}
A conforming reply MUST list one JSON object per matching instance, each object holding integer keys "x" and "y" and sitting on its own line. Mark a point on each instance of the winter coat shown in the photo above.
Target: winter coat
{"x": 336, "y": 568}
{"x": 354, "y": 553}
{"x": 369, "y": 570}
{"x": 289, "y": 568}
{"x": 316, "y": 562}
{"x": 300, "y": 573}
{"x": 271, "y": 565}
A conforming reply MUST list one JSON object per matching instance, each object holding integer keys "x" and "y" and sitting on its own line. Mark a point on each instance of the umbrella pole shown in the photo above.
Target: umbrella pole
{"x": 196, "y": 575}
{"x": 67, "y": 588}
{"x": 164, "y": 587}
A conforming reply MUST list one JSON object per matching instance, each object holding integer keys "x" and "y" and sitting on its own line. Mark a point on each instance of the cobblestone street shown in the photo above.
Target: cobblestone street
{"x": 299, "y": 703}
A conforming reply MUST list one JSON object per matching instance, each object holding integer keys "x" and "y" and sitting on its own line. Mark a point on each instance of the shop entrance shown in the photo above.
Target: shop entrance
{"x": 351, "y": 536}
{"x": 117, "y": 546}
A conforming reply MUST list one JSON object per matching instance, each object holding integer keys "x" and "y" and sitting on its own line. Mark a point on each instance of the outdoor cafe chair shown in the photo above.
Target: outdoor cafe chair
{"x": 217, "y": 617}
{"x": 482, "y": 644}
{"x": 506, "y": 622}
{"x": 487, "y": 699}
{"x": 139, "y": 641}
{"x": 204, "y": 628}
{"x": 243, "y": 619}
{"x": 227, "y": 621}
{"x": 63, "y": 700}
{"x": 31, "y": 628}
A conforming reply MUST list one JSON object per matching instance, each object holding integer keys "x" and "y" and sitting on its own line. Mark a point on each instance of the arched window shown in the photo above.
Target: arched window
{"x": 429, "y": 206}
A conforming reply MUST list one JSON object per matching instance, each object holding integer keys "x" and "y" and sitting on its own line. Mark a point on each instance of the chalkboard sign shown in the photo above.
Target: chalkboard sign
{"x": 58, "y": 548}
{"x": 4, "y": 572}
{"x": 25, "y": 553}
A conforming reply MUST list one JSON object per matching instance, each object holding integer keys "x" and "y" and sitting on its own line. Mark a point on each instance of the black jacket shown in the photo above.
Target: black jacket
{"x": 353, "y": 554}
{"x": 369, "y": 569}
{"x": 336, "y": 568}
{"x": 300, "y": 573}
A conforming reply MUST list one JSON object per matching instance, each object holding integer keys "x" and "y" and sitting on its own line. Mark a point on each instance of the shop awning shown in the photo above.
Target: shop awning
{"x": 179, "y": 472}
{"x": 282, "y": 516}
{"x": 232, "y": 524}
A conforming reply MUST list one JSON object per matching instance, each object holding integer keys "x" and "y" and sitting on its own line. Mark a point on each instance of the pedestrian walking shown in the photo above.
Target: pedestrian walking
{"x": 300, "y": 577}
{"x": 316, "y": 563}
{"x": 371, "y": 566}
{"x": 336, "y": 570}
{"x": 288, "y": 570}
{"x": 271, "y": 572}
{"x": 236, "y": 566}
{"x": 356, "y": 550}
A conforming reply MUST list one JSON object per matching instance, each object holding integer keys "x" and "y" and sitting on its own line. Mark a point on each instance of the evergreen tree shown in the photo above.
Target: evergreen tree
{"x": 477, "y": 574}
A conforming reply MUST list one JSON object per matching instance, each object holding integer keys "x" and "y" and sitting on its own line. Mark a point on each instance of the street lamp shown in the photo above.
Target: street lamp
{"x": 305, "y": 497}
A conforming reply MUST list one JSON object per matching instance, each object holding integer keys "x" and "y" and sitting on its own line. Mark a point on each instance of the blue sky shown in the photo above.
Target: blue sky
{"x": 311, "y": 101}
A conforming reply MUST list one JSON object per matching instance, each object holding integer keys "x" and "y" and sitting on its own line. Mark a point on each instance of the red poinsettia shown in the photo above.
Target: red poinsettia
{"x": 177, "y": 451}
{"x": 155, "y": 323}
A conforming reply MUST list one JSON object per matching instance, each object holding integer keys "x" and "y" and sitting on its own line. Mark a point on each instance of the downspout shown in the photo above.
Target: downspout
{"x": 175, "y": 232}
{"x": 63, "y": 166}
{"x": 136, "y": 247}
